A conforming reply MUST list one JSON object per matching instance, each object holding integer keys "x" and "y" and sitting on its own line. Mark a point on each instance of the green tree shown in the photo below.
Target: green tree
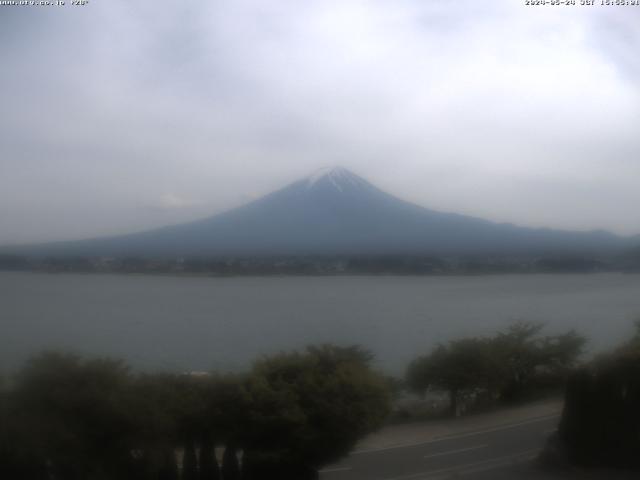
{"x": 171, "y": 414}
{"x": 230, "y": 465}
{"x": 209, "y": 469}
{"x": 168, "y": 468}
{"x": 190, "y": 462}
{"x": 69, "y": 418}
{"x": 600, "y": 423}
{"x": 308, "y": 409}
{"x": 504, "y": 366}
{"x": 522, "y": 353}
{"x": 461, "y": 367}
{"x": 75, "y": 414}
{"x": 225, "y": 416}
{"x": 632, "y": 346}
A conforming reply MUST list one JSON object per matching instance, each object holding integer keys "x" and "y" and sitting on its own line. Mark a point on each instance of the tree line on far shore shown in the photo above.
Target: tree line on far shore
{"x": 393, "y": 264}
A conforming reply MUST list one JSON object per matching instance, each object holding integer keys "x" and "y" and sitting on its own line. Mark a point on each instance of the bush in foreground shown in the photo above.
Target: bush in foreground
{"x": 600, "y": 424}
{"x": 70, "y": 418}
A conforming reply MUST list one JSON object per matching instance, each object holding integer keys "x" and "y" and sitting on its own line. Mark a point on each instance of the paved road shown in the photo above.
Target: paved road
{"x": 491, "y": 452}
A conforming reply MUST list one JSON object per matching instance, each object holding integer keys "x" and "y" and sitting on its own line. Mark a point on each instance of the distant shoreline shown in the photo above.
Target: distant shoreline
{"x": 314, "y": 275}
{"x": 335, "y": 265}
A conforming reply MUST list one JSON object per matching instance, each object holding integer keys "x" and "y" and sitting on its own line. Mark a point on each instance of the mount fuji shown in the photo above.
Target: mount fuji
{"x": 335, "y": 212}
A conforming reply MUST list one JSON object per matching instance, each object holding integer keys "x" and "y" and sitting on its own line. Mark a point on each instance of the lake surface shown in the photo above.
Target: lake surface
{"x": 197, "y": 323}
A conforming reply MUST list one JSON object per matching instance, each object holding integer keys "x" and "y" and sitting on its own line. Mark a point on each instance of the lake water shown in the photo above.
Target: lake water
{"x": 196, "y": 323}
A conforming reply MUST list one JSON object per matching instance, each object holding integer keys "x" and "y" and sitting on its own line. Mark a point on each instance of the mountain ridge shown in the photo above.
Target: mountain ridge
{"x": 333, "y": 212}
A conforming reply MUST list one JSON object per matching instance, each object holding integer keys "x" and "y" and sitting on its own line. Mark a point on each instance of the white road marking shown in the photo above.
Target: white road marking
{"x": 335, "y": 469}
{"x": 457, "y": 436}
{"x": 498, "y": 462}
{"x": 474, "y": 467}
{"x": 453, "y": 452}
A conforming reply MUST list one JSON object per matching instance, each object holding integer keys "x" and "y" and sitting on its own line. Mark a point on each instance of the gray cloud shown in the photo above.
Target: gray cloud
{"x": 502, "y": 111}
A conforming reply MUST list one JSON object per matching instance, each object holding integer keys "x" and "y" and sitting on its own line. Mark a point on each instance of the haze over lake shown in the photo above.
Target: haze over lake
{"x": 202, "y": 323}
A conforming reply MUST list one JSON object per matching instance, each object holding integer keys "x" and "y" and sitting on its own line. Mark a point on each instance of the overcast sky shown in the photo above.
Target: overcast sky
{"x": 122, "y": 115}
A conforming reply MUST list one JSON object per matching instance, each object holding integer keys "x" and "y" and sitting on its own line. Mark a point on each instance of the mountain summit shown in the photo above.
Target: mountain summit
{"x": 333, "y": 212}
{"x": 337, "y": 177}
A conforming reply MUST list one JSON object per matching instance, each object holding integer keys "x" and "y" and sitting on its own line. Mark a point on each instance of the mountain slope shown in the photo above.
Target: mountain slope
{"x": 337, "y": 212}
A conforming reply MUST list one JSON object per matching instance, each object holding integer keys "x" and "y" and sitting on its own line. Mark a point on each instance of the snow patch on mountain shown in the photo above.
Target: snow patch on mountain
{"x": 340, "y": 178}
